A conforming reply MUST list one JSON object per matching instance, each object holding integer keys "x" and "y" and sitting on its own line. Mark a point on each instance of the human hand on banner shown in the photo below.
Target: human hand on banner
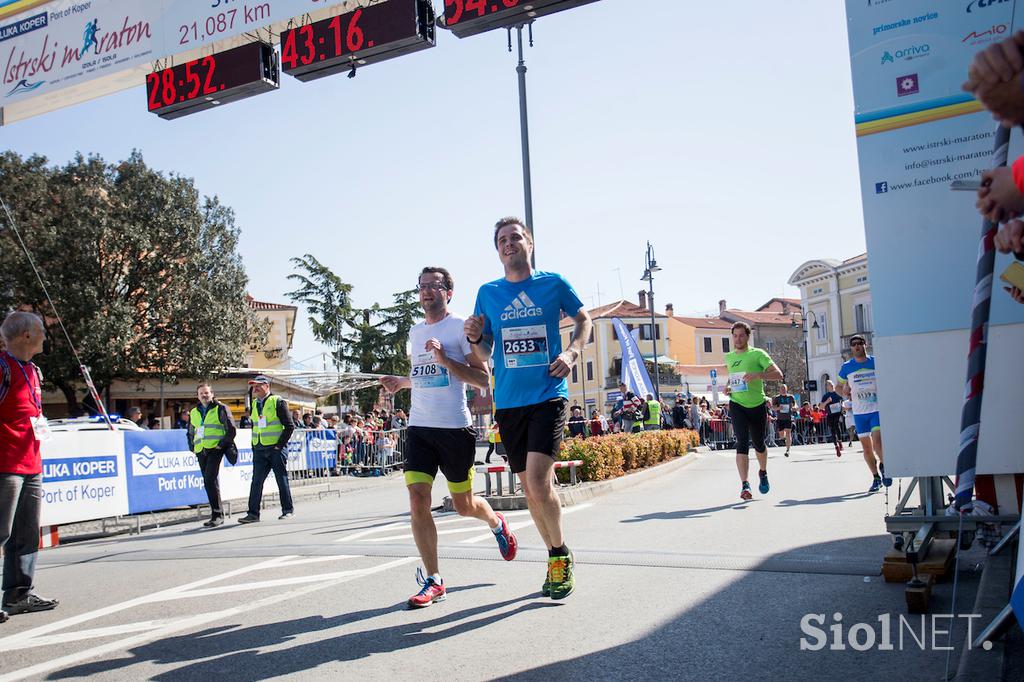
{"x": 997, "y": 63}
{"x": 1004, "y": 100}
{"x": 994, "y": 77}
{"x": 562, "y": 365}
{"x": 999, "y": 199}
{"x": 434, "y": 346}
{"x": 1015, "y": 293}
{"x": 1010, "y": 238}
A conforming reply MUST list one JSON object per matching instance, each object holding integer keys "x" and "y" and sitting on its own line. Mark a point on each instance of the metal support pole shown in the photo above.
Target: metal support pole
{"x": 650, "y": 267}
{"x": 525, "y": 134}
{"x": 654, "y": 338}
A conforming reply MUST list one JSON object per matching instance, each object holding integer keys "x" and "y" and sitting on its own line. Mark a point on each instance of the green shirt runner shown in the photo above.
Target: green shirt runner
{"x": 751, "y": 361}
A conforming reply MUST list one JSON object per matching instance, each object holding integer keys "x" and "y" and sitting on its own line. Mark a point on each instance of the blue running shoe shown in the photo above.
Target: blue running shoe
{"x": 876, "y": 484}
{"x": 886, "y": 480}
{"x": 764, "y": 487}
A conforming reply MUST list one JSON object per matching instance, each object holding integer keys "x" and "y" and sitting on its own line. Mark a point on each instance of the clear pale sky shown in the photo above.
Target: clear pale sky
{"x": 720, "y": 131}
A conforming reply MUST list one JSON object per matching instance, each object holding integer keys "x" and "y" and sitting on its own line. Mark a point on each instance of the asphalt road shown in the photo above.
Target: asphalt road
{"x": 676, "y": 578}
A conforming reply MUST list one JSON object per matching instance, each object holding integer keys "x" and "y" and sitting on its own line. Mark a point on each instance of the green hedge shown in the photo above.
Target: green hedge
{"x": 612, "y": 456}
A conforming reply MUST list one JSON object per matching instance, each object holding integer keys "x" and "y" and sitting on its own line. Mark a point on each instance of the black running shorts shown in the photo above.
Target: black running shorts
{"x": 532, "y": 428}
{"x": 453, "y": 451}
{"x": 749, "y": 424}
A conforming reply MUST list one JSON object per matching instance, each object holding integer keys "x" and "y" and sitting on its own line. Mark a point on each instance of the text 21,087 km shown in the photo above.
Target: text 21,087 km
{"x": 222, "y": 22}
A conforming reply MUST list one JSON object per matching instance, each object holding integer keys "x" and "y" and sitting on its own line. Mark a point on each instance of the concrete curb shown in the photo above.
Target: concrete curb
{"x": 92, "y": 530}
{"x": 588, "y": 491}
{"x": 993, "y": 595}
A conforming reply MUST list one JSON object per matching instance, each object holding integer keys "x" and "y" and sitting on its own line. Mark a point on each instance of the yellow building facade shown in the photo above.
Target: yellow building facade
{"x": 836, "y": 300}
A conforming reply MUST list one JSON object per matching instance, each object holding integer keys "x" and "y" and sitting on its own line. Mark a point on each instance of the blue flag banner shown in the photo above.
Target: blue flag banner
{"x": 1017, "y": 598}
{"x": 634, "y": 371}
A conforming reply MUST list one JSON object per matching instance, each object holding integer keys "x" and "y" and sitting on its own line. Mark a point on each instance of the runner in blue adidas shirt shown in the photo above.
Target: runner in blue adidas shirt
{"x": 857, "y": 382}
{"x": 516, "y": 320}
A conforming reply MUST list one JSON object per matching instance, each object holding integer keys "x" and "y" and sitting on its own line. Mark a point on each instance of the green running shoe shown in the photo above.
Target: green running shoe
{"x": 560, "y": 576}
{"x": 545, "y": 589}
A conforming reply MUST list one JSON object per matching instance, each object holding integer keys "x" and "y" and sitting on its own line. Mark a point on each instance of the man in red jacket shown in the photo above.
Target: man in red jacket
{"x": 22, "y": 426}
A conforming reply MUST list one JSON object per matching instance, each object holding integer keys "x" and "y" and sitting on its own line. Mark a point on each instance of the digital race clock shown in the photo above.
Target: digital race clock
{"x": 213, "y": 80}
{"x": 468, "y": 17}
{"x": 364, "y": 36}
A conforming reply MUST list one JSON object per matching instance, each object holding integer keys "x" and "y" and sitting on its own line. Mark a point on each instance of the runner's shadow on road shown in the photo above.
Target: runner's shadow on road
{"x": 823, "y": 500}
{"x": 394, "y": 518}
{"x": 837, "y": 460}
{"x": 231, "y": 651}
{"x": 685, "y": 513}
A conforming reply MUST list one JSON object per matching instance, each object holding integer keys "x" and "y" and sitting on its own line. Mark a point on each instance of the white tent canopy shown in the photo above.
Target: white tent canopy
{"x": 320, "y": 382}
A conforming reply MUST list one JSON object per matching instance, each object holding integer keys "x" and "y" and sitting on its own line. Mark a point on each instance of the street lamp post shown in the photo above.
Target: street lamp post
{"x": 651, "y": 267}
{"x": 524, "y": 128}
{"x": 807, "y": 361}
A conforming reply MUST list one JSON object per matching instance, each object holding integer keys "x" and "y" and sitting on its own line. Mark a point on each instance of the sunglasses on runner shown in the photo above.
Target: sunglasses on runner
{"x": 856, "y": 343}
{"x": 431, "y": 286}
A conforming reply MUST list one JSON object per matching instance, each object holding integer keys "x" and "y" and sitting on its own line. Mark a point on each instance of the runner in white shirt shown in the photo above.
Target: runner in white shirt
{"x": 440, "y": 435}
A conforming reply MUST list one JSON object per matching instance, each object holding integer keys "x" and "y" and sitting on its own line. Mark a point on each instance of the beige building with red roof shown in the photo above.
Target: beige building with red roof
{"x": 836, "y": 298}
{"x": 274, "y": 353}
{"x": 146, "y": 393}
{"x": 688, "y": 348}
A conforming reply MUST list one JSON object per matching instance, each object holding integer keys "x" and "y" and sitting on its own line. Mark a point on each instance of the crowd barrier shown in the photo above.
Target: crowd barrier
{"x": 101, "y": 474}
{"x": 717, "y": 434}
{"x": 379, "y": 454}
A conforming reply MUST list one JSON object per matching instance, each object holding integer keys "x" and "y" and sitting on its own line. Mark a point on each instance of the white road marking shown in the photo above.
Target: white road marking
{"x": 515, "y": 526}
{"x": 95, "y": 633}
{"x": 280, "y": 582}
{"x": 405, "y": 525}
{"x": 138, "y": 601}
{"x": 371, "y": 531}
{"x": 471, "y": 529}
{"x": 319, "y": 559}
{"x": 122, "y": 645}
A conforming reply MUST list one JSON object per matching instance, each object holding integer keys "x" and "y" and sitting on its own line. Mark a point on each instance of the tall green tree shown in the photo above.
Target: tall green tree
{"x": 372, "y": 340}
{"x": 144, "y": 273}
{"x": 327, "y": 299}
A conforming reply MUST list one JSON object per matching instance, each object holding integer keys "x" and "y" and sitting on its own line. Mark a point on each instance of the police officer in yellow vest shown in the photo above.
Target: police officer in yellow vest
{"x": 653, "y": 420}
{"x": 272, "y": 427}
{"x": 210, "y": 431}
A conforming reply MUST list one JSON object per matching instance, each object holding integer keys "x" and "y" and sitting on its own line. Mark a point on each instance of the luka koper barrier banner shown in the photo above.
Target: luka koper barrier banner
{"x": 917, "y": 132}
{"x": 100, "y": 474}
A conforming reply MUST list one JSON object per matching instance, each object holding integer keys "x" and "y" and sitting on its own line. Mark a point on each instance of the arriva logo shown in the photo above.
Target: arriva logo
{"x": 907, "y": 53}
{"x": 982, "y": 4}
{"x": 521, "y": 307}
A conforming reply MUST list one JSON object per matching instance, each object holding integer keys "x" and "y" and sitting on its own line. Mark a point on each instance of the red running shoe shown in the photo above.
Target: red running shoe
{"x": 745, "y": 493}
{"x": 431, "y": 592}
{"x": 507, "y": 543}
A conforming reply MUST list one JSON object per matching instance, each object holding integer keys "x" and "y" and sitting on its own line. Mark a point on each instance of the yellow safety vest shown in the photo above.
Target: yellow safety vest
{"x": 271, "y": 433}
{"x": 209, "y": 431}
{"x": 654, "y": 407}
